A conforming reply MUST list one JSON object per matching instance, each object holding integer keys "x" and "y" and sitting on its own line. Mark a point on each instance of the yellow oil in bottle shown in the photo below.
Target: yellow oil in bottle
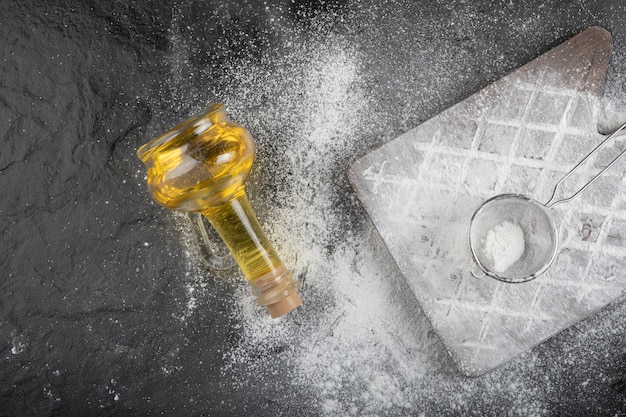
{"x": 201, "y": 165}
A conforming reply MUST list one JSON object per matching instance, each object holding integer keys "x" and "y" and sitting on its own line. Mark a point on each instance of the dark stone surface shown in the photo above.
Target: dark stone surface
{"x": 90, "y": 269}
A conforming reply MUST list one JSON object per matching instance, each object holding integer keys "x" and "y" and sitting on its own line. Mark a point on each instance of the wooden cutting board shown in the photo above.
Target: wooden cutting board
{"x": 520, "y": 135}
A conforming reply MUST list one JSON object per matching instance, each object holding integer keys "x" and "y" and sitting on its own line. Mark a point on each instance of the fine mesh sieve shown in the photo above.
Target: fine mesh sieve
{"x": 540, "y": 238}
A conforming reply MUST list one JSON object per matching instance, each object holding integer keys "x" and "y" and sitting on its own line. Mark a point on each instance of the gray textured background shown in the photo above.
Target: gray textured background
{"x": 90, "y": 288}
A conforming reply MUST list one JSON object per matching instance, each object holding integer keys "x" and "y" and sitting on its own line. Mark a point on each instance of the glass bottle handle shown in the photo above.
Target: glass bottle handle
{"x": 201, "y": 235}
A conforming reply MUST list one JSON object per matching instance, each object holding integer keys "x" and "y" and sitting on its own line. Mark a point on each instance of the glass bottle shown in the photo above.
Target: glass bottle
{"x": 200, "y": 166}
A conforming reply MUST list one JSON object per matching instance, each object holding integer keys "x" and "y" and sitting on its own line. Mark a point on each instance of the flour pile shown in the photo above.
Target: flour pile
{"x": 504, "y": 245}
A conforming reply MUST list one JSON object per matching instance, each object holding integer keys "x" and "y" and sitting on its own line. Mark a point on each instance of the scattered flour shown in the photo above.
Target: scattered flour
{"x": 504, "y": 245}
{"x": 358, "y": 320}
{"x": 359, "y": 345}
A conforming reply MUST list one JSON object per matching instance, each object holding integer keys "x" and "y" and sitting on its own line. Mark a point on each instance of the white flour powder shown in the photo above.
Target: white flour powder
{"x": 359, "y": 345}
{"x": 504, "y": 245}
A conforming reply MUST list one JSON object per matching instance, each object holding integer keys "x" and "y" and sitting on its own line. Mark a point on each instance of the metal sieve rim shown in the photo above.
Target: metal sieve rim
{"x": 500, "y": 277}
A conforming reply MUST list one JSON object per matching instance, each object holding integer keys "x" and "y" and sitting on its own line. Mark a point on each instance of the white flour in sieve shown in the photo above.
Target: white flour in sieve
{"x": 504, "y": 245}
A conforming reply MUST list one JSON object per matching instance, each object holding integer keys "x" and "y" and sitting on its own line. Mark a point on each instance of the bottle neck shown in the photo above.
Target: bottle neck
{"x": 272, "y": 283}
{"x": 241, "y": 232}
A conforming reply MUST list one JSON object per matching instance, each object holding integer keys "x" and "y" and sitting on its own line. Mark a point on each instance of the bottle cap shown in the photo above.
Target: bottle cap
{"x": 284, "y": 305}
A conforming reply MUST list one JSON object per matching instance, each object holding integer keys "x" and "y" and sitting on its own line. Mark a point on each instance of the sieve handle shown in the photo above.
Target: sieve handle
{"x": 552, "y": 202}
